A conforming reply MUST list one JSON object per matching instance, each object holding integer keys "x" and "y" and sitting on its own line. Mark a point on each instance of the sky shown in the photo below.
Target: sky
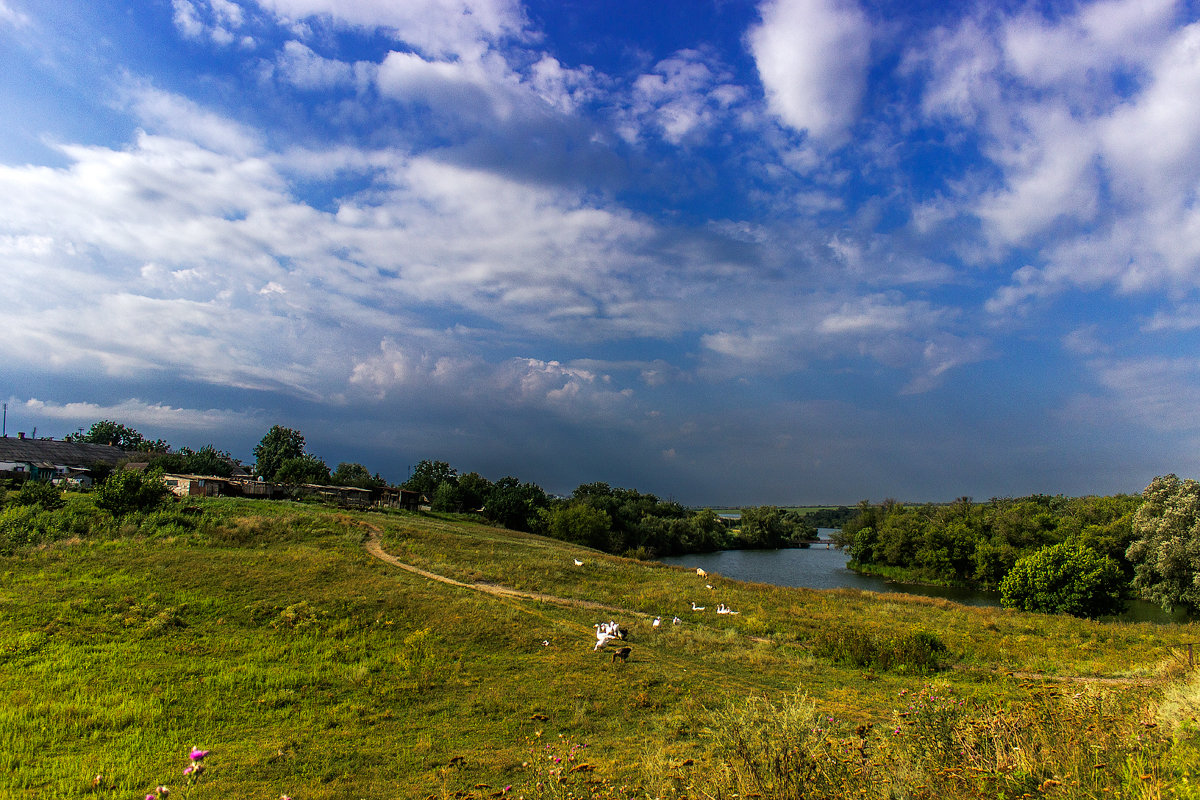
{"x": 725, "y": 252}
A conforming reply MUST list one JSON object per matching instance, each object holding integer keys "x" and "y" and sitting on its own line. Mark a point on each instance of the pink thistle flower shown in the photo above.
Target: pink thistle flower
{"x": 197, "y": 754}
{"x": 151, "y": 797}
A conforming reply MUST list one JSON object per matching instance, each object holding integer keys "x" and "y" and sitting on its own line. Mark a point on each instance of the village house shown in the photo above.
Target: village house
{"x": 25, "y": 458}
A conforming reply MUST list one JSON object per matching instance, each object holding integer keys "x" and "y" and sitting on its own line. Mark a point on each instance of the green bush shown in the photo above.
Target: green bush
{"x": 917, "y": 652}
{"x": 127, "y": 491}
{"x": 1065, "y": 578}
{"x": 38, "y": 493}
{"x": 26, "y": 526}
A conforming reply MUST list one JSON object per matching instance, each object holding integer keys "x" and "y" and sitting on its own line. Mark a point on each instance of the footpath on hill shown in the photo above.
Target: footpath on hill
{"x": 374, "y": 546}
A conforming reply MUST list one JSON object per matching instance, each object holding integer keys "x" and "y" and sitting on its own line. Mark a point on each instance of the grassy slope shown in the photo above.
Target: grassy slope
{"x": 311, "y": 668}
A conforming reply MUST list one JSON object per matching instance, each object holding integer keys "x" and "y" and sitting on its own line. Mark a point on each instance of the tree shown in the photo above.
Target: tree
{"x": 428, "y": 475}
{"x": 208, "y": 460}
{"x": 1165, "y": 553}
{"x": 577, "y": 522}
{"x": 277, "y": 446}
{"x": 446, "y": 498}
{"x": 473, "y": 490}
{"x": 351, "y": 474}
{"x": 302, "y": 469}
{"x": 1065, "y": 578}
{"x": 514, "y": 504}
{"x": 115, "y": 434}
{"x": 128, "y": 491}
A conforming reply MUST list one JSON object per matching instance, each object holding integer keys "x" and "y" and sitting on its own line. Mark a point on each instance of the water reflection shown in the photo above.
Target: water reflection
{"x": 823, "y": 566}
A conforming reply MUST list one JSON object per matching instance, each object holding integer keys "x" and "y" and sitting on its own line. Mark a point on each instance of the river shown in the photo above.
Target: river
{"x": 823, "y": 566}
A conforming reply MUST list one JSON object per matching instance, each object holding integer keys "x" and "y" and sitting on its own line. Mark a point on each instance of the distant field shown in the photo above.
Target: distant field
{"x": 268, "y": 634}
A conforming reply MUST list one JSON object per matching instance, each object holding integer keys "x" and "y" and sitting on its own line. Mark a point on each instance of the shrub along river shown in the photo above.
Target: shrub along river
{"x": 823, "y": 566}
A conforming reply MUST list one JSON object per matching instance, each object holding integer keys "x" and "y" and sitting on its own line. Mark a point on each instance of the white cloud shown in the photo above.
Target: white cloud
{"x": 417, "y": 366}
{"x": 812, "y": 58}
{"x": 441, "y": 29}
{"x": 138, "y": 414}
{"x": 1093, "y": 139}
{"x": 562, "y": 88}
{"x": 303, "y": 68}
{"x": 683, "y": 97}
{"x": 170, "y": 113}
{"x": 218, "y": 20}
{"x": 460, "y": 86}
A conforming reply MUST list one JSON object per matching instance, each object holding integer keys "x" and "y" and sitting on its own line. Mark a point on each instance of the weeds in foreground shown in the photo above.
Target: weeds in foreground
{"x": 1087, "y": 743}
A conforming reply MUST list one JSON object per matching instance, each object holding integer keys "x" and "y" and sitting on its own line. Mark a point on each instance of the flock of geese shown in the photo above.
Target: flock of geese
{"x": 610, "y": 631}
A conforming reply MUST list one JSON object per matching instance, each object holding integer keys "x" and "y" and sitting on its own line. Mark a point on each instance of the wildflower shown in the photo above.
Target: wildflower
{"x": 162, "y": 792}
{"x": 193, "y": 769}
{"x": 151, "y": 797}
{"x": 197, "y": 754}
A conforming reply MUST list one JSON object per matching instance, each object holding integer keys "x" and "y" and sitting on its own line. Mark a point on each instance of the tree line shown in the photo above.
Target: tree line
{"x": 1084, "y": 556}
{"x": 597, "y": 515}
{"x": 614, "y": 520}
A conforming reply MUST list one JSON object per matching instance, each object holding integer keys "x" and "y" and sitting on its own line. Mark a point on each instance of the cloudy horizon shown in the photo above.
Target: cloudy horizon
{"x": 785, "y": 252}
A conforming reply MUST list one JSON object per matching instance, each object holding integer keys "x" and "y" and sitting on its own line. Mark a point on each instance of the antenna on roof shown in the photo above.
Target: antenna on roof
{"x": 4, "y": 432}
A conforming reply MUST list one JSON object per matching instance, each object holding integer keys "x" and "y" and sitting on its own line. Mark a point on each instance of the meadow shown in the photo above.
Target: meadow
{"x": 268, "y": 634}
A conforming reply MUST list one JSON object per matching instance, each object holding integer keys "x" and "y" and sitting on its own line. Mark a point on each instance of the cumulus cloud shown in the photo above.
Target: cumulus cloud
{"x": 1092, "y": 139}
{"x": 300, "y": 66}
{"x": 812, "y": 58}
{"x": 402, "y": 368}
{"x": 215, "y": 20}
{"x": 201, "y": 262}
{"x": 440, "y": 29}
{"x": 682, "y": 98}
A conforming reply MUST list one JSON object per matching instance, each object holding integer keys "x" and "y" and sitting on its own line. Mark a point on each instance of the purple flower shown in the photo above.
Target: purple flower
{"x": 151, "y": 797}
{"x": 197, "y": 754}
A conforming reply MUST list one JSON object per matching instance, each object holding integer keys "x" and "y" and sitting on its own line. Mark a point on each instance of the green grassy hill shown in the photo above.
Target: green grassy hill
{"x": 270, "y": 634}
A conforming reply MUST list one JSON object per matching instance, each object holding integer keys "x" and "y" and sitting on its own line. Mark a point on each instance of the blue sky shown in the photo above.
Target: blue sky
{"x": 789, "y": 251}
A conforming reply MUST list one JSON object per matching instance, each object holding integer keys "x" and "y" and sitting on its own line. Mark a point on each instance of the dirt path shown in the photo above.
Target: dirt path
{"x": 375, "y": 548}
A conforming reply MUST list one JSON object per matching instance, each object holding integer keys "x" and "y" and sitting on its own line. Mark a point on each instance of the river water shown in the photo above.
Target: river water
{"x": 822, "y": 566}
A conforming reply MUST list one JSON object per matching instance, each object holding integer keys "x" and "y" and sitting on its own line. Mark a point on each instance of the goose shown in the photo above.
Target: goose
{"x": 700, "y": 572}
{"x": 622, "y": 654}
{"x": 578, "y": 563}
{"x": 657, "y": 620}
{"x": 696, "y": 607}
{"x": 676, "y": 621}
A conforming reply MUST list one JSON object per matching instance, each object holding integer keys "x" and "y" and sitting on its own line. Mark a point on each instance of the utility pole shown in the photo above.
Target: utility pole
{"x": 4, "y": 432}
